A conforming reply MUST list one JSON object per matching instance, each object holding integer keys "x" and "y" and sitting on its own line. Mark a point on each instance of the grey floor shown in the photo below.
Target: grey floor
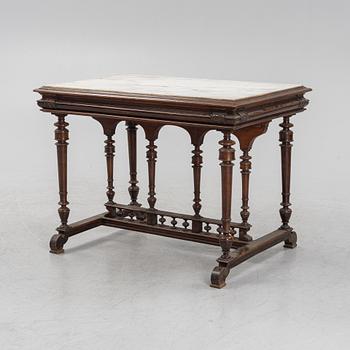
{"x": 114, "y": 289}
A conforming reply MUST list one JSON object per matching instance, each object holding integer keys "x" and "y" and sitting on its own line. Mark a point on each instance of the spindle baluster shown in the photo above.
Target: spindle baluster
{"x": 109, "y": 126}
{"x": 185, "y": 224}
{"x": 151, "y": 132}
{"x": 246, "y": 137}
{"x": 197, "y": 161}
{"x": 173, "y": 222}
{"x": 162, "y": 220}
{"x": 197, "y": 137}
{"x": 132, "y": 147}
{"x": 286, "y": 139}
{"x": 207, "y": 227}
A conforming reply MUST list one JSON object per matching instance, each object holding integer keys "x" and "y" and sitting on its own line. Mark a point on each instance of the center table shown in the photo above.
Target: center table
{"x": 241, "y": 109}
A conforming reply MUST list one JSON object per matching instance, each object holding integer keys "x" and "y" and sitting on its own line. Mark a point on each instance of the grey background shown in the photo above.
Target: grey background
{"x": 107, "y": 293}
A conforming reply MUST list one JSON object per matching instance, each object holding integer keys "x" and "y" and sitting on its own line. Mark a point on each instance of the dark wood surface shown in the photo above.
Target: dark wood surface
{"x": 191, "y": 109}
{"x": 243, "y": 118}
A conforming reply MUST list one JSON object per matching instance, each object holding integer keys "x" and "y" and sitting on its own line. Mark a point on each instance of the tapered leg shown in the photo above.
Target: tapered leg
{"x": 132, "y": 142}
{"x": 61, "y": 136}
{"x": 245, "y": 166}
{"x": 151, "y": 132}
{"x": 226, "y": 155}
{"x": 246, "y": 137}
{"x": 197, "y": 135}
{"x": 151, "y": 155}
{"x": 109, "y": 152}
{"x": 286, "y": 139}
{"x": 109, "y": 126}
{"x": 151, "y": 160}
{"x": 197, "y": 161}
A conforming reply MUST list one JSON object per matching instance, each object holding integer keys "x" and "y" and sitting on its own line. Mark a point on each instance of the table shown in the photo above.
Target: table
{"x": 234, "y": 108}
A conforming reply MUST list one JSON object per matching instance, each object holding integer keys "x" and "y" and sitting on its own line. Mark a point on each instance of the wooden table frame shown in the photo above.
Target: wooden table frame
{"x": 246, "y": 119}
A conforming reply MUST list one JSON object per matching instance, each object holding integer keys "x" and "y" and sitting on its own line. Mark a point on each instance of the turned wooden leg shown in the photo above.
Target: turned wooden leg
{"x": 286, "y": 139}
{"x": 246, "y": 137}
{"x": 109, "y": 152}
{"x": 109, "y": 126}
{"x": 197, "y": 161}
{"x": 61, "y": 136}
{"x": 132, "y": 142}
{"x": 197, "y": 137}
{"x": 151, "y": 159}
{"x": 151, "y": 132}
{"x": 245, "y": 166}
{"x": 226, "y": 155}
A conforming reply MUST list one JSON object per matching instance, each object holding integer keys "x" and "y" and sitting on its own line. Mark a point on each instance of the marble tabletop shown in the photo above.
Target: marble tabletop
{"x": 173, "y": 86}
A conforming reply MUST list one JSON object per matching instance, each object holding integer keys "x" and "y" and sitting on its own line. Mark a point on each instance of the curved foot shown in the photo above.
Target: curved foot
{"x": 57, "y": 242}
{"x": 243, "y": 236}
{"x": 218, "y": 276}
{"x": 291, "y": 242}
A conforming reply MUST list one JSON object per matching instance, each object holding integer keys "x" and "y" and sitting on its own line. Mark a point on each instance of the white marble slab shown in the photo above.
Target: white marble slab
{"x": 172, "y": 86}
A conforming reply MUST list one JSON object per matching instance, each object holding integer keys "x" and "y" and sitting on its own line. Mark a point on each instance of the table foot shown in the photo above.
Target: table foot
{"x": 291, "y": 242}
{"x": 57, "y": 242}
{"x": 218, "y": 277}
{"x": 243, "y": 236}
{"x": 239, "y": 255}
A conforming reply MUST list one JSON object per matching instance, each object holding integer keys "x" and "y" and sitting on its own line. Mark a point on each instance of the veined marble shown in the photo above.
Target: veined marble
{"x": 172, "y": 86}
